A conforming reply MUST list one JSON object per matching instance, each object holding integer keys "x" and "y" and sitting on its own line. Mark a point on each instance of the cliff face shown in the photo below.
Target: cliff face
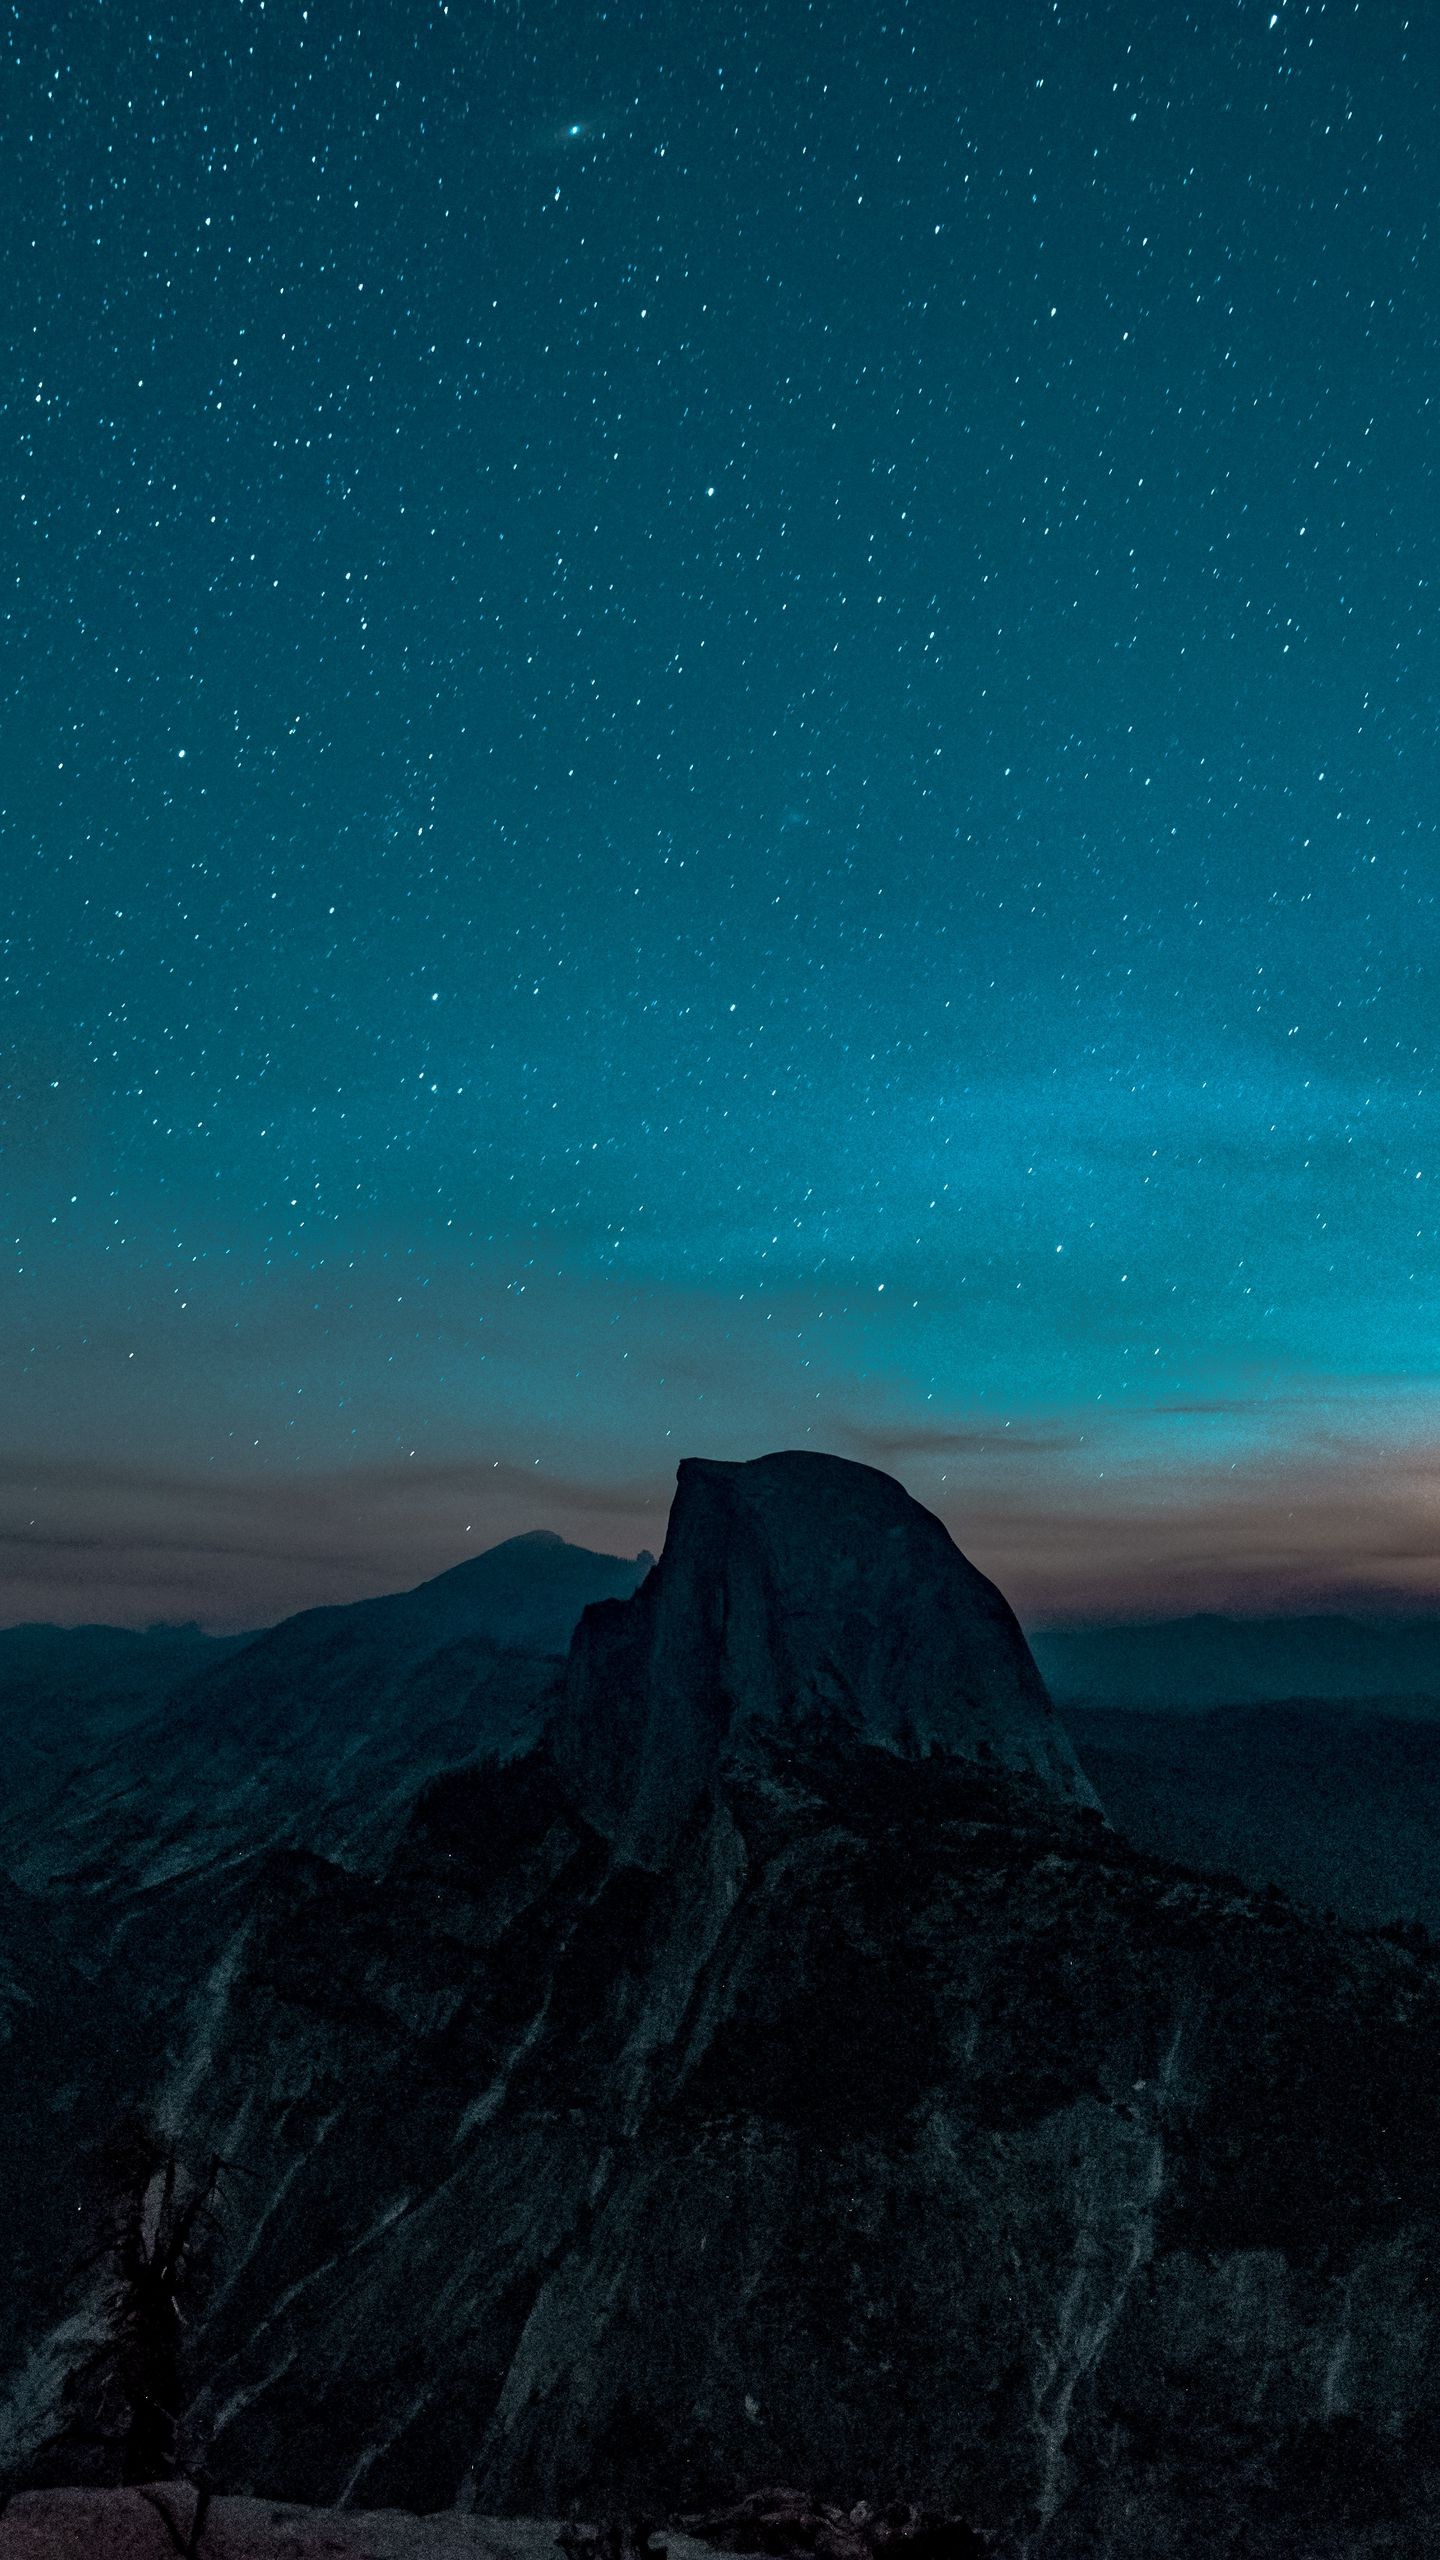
{"x": 753, "y": 2083}
{"x": 798, "y": 1597}
{"x": 908, "y": 2135}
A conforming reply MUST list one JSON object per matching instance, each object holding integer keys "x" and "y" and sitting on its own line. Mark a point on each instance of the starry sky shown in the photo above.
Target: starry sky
{"x": 720, "y": 732}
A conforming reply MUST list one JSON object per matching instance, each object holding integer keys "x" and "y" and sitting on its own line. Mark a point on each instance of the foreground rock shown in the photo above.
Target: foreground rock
{"x": 785, "y": 2524}
{"x": 151, "y": 2524}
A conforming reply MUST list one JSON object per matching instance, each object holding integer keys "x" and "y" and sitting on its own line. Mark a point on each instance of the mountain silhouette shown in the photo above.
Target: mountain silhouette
{"x": 778, "y": 2071}
{"x": 1213, "y": 1661}
{"x": 798, "y": 1597}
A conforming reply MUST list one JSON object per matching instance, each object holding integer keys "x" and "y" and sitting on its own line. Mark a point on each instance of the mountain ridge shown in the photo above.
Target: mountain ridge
{"x": 1209, "y": 1659}
{"x": 761, "y": 2061}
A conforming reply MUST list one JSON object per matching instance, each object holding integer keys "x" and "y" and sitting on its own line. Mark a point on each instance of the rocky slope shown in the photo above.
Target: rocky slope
{"x": 147, "y": 1780}
{"x": 67, "y": 1696}
{"x": 143, "y": 1826}
{"x": 64, "y": 2072}
{"x": 908, "y": 2136}
{"x": 781, "y": 2072}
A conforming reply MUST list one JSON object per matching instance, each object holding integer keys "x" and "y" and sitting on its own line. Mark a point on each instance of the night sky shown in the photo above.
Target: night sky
{"x": 720, "y": 731}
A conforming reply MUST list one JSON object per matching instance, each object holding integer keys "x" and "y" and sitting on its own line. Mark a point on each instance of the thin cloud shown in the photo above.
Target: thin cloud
{"x": 150, "y": 1543}
{"x": 976, "y": 1440}
{"x": 1333, "y": 1525}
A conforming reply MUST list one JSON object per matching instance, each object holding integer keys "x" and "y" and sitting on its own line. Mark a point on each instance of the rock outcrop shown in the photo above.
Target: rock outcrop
{"x": 155, "y": 2523}
{"x": 800, "y": 1598}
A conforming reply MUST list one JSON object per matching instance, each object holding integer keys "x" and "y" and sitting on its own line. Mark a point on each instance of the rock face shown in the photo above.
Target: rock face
{"x": 909, "y": 2135}
{"x": 318, "y": 1732}
{"x": 62, "y": 2071}
{"x": 799, "y": 1597}
{"x": 147, "y": 1781}
{"x": 735, "y": 2090}
{"x": 68, "y": 1697}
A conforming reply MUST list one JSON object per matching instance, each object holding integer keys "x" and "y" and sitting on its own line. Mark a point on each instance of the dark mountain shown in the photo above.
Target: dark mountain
{"x": 800, "y": 1597}
{"x": 317, "y": 1731}
{"x": 139, "y": 1817}
{"x": 780, "y": 2073}
{"x": 1336, "y": 1802}
{"x": 1303, "y": 1752}
{"x": 148, "y": 1779}
{"x": 1226, "y": 1662}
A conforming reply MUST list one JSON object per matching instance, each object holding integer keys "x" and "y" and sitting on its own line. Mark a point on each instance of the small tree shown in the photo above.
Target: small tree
{"x": 130, "y": 2386}
{"x": 154, "y": 2243}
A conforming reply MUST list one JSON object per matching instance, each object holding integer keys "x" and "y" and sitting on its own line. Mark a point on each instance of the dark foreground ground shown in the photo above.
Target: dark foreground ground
{"x": 148, "y": 2524}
